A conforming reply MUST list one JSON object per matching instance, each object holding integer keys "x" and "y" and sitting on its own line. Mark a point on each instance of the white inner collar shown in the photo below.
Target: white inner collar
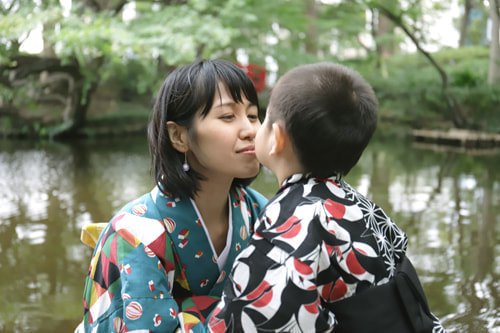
{"x": 222, "y": 257}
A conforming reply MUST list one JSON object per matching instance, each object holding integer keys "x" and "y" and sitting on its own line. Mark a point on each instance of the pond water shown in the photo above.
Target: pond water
{"x": 446, "y": 202}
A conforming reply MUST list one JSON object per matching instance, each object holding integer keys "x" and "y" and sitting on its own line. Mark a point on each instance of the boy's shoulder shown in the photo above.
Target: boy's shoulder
{"x": 312, "y": 189}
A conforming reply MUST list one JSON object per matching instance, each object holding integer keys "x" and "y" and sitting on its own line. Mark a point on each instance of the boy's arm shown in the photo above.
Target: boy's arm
{"x": 271, "y": 290}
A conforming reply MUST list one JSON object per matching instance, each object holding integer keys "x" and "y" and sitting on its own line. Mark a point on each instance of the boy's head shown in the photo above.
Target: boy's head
{"x": 329, "y": 114}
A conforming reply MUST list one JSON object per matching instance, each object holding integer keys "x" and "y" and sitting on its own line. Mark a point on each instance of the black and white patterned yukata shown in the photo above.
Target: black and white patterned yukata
{"x": 317, "y": 241}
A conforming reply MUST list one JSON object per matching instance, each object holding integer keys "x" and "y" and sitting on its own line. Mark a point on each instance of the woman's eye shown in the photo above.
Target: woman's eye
{"x": 227, "y": 117}
{"x": 253, "y": 117}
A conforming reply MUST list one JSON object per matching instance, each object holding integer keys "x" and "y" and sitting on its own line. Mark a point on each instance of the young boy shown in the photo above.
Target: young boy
{"x": 323, "y": 257}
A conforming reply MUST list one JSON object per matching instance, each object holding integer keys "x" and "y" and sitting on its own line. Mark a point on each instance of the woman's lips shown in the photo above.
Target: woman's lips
{"x": 250, "y": 150}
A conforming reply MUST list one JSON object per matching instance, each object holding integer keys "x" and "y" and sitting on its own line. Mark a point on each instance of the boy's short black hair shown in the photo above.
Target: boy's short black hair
{"x": 330, "y": 113}
{"x": 187, "y": 92}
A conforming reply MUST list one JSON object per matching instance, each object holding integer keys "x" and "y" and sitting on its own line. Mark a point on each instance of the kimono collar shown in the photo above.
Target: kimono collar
{"x": 305, "y": 177}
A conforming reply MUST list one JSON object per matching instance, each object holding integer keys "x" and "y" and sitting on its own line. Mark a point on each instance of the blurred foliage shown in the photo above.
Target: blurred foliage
{"x": 128, "y": 56}
{"x": 412, "y": 92}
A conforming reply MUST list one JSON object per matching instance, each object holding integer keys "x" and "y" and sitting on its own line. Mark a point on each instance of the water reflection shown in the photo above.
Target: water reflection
{"x": 447, "y": 203}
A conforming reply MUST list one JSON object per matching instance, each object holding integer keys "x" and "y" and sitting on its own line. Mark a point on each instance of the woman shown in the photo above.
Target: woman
{"x": 179, "y": 240}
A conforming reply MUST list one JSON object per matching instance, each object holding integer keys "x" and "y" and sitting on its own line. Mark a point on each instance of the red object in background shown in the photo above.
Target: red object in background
{"x": 257, "y": 74}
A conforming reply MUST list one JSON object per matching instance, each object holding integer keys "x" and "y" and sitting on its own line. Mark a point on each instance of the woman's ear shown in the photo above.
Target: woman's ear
{"x": 280, "y": 139}
{"x": 178, "y": 136}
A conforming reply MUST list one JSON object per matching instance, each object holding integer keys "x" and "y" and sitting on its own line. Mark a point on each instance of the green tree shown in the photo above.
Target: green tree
{"x": 85, "y": 46}
{"x": 407, "y": 20}
{"x": 94, "y": 43}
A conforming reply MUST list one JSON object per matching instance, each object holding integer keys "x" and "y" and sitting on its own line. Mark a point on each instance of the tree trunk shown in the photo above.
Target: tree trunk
{"x": 99, "y": 5}
{"x": 385, "y": 47}
{"x": 465, "y": 23}
{"x": 62, "y": 83}
{"x": 494, "y": 70}
{"x": 312, "y": 30}
{"x": 48, "y": 49}
{"x": 457, "y": 115}
{"x": 80, "y": 101}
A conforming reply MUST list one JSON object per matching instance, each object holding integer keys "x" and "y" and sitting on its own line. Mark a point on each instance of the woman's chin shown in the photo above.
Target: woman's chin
{"x": 250, "y": 172}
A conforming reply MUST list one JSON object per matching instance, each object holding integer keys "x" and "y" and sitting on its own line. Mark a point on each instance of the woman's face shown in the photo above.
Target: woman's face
{"x": 225, "y": 139}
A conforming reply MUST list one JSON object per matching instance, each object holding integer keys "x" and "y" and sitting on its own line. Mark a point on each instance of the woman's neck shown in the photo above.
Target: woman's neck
{"x": 212, "y": 202}
{"x": 213, "y": 205}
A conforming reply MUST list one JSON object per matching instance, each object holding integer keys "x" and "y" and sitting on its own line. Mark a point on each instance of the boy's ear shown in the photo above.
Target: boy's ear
{"x": 280, "y": 139}
{"x": 178, "y": 136}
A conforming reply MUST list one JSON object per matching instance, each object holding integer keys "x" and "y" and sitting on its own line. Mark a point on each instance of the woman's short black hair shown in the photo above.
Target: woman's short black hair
{"x": 330, "y": 113}
{"x": 189, "y": 91}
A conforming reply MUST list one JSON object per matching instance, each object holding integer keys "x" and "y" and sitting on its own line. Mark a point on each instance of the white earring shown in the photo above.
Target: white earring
{"x": 185, "y": 166}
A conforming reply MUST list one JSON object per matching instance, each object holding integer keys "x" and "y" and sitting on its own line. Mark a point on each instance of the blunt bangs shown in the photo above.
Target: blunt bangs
{"x": 235, "y": 80}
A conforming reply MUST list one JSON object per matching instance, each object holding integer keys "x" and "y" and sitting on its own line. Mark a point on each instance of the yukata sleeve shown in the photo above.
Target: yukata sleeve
{"x": 194, "y": 312}
{"x": 131, "y": 279}
{"x": 269, "y": 290}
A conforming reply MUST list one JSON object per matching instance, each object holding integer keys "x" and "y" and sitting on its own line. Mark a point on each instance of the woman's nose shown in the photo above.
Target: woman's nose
{"x": 249, "y": 128}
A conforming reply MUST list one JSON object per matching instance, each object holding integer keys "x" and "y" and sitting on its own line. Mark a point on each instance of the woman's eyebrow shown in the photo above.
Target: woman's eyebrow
{"x": 225, "y": 103}
{"x": 231, "y": 104}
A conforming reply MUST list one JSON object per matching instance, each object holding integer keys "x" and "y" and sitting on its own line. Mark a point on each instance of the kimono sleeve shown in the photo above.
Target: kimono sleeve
{"x": 131, "y": 278}
{"x": 269, "y": 290}
{"x": 194, "y": 311}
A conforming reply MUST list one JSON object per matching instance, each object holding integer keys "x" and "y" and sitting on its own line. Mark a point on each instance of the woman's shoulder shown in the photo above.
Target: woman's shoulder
{"x": 145, "y": 205}
{"x": 138, "y": 217}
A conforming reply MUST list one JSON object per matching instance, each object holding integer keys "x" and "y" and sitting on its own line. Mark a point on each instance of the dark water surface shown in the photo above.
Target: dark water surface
{"x": 446, "y": 202}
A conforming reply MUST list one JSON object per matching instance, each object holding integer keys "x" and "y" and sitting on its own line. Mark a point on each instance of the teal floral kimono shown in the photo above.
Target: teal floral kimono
{"x": 154, "y": 255}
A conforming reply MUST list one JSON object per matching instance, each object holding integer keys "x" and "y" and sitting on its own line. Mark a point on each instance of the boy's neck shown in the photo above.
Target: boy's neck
{"x": 285, "y": 166}
{"x": 282, "y": 178}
